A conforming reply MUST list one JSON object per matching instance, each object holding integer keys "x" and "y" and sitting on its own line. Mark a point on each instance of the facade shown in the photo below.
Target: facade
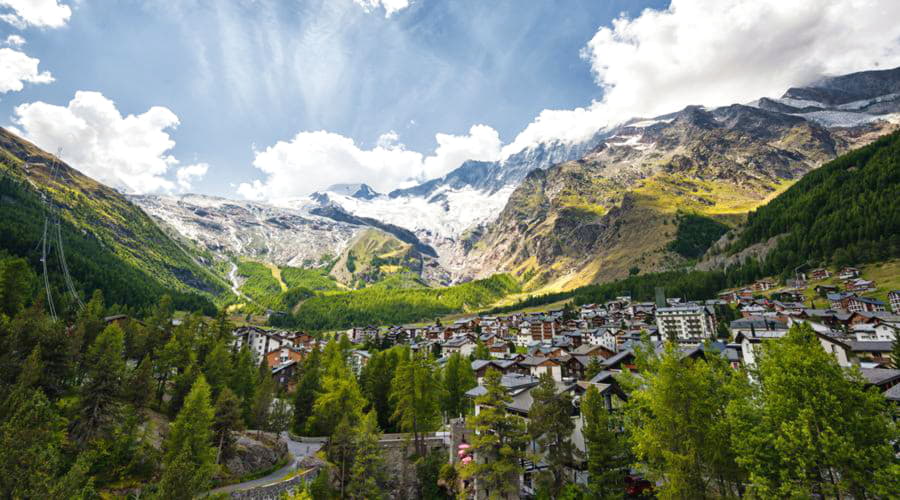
{"x": 894, "y": 299}
{"x": 864, "y": 304}
{"x": 686, "y": 322}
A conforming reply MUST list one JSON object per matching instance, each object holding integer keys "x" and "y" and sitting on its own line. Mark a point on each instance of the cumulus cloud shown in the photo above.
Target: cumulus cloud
{"x": 131, "y": 153}
{"x": 717, "y": 52}
{"x": 188, "y": 174}
{"x": 14, "y": 41}
{"x": 390, "y": 6}
{"x": 17, "y": 68}
{"x": 315, "y": 160}
{"x": 38, "y": 13}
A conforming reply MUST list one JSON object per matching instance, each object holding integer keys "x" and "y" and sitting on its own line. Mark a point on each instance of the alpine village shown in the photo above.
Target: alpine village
{"x": 697, "y": 302}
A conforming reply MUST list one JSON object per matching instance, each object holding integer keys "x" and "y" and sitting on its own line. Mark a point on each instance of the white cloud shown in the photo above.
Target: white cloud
{"x": 38, "y": 13}
{"x": 14, "y": 41}
{"x": 190, "y": 173}
{"x": 718, "y": 52}
{"x": 17, "y": 68}
{"x": 315, "y": 160}
{"x": 390, "y": 6}
{"x": 130, "y": 153}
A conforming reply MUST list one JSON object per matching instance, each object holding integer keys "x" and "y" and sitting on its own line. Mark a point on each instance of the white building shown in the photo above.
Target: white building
{"x": 686, "y": 322}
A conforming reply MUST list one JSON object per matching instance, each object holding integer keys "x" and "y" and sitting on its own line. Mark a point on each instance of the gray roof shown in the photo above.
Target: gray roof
{"x": 870, "y": 346}
{"x": 893, "y": 394}
{"x": 879, "y": 376}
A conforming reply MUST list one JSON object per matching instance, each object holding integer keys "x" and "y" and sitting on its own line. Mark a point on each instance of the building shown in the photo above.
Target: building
{"x": 848, "y": 273}
{"x": 819, "y": 274}
{"x": 687, "y": 322}
{"x": 860, "y": 304}
{"x": 756, "y": 324}
{"x": 894, "y": 299}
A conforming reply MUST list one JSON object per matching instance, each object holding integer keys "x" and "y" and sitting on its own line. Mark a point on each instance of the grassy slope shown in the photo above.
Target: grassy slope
{"x": 886, "y": 276}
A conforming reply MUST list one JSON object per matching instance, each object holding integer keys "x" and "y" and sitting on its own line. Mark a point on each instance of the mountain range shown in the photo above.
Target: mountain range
{"x": 560, "y": 215}
{"x": 556, "y": 215}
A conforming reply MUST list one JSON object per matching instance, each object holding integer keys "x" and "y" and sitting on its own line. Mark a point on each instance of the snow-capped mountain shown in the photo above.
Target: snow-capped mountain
{"x": 275, "y": 234}
{"x": 446, "y": 217}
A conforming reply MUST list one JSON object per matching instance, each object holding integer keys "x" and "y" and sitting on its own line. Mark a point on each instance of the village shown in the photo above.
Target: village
{"x": 595, "y": 344}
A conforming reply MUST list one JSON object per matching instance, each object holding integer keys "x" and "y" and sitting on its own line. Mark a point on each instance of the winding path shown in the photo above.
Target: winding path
{"x": 296, "y": 450}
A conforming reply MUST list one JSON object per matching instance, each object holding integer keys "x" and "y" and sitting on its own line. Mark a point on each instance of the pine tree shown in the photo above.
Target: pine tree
{"x": 103, "y": 387}
{"x": 808, "y": 427}
{"x": 243, "y": 381}
{"x": 607, "y": 458}
{"x": 498, "y": 443}
{"x": 262, "y": 397}
{"x": 458, "y": 379}
{"x": 182, "y": 387}
{"x": 415, "y": 392}
{"x": 375, "y": 381}
{"x": 550, "y": 424}
{"x": 17, "y": 285}
{"x": 140, "y": 384}
{"x": 217, "y": 368}
{"x": 32, "y": 439}
{"x": 481, "y": 351}
{"x": 189, "y": 459}
{"x": 341, "y": 452}
{"x": 228, "y": 419}
{"x": 367, "y": 476}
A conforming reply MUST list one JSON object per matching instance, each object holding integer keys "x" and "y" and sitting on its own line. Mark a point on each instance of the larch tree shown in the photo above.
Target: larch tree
{"x": 458, "y": 379}
{"x": 226, "y": 422}
{"x": 677, "y": 424}
{"x": 308, "y": 385}
{"x": 415, "y": 392}
{"x": 367, "y": 476}
{"x": 190, "y": 459}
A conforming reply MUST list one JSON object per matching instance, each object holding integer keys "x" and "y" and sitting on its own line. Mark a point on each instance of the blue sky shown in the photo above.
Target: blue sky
{"x": 245, "y": 79}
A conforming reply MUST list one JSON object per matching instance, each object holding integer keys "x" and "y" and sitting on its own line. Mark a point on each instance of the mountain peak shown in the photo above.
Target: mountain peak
{"x": 360, "y": 191}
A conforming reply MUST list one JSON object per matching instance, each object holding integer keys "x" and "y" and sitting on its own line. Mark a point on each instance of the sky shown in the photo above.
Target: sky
{"x": 271, "y": 99}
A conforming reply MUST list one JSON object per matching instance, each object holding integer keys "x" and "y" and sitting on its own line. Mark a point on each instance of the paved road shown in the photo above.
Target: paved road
{"x": 297, "y": 451}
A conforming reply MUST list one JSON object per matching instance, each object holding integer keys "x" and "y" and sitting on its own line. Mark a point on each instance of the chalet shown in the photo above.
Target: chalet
{"x": 819, "y": 274}
{"x": 789, "y": 307}
{"x": 881, "y": 378}
{"x": 788, "y": 296}
{"x": 752, "y": 310}
{"x": 461, "y": 344}
{"x": 729, "y": 297}
{"x": 878, "y": 351}
{"x": 860, "y": 304}
{"x": 481, "y": 366}
{"x": 538, "y": 365}
{"x": 763, "y": 285}
{"x": 282, "y": 355}
{"x": 894, "y": 299}
{"x": 839, "y": 300}
{"x": 756, "y": 324}
{"x": 285, "y": 374}
{"x": 359, "y": 359}
{"x": 880, "y": 332}
{"x": 591, "y": 350}
{"x": 745, "y": 294}
{"x": 576, "y": 337}
{"x": 848, "y": 273}
{"x": 749, "y": 343}
{"x": 623, "y": 361}
{"x": 825, "y": 290}
{"x": 606, "y": 337}
{"x": 860, "y": 285}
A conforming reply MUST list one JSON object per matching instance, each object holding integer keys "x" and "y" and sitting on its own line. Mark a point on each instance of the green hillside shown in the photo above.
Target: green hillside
{"x": 281, "y": 288}
{"x": 373, "y": 256}
{"x": 109, "y": 242}
{"x": 380, "y": 306}
{"x": 846, "y": 212}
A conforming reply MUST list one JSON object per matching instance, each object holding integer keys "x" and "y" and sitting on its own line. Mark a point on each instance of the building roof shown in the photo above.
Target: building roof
{"x": 870, "y": 346}
{"x": 893, "y": 394}
{"x": 880, "y": 376}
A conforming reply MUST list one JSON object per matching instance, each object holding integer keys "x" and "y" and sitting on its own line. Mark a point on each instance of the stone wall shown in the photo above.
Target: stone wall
{"x": 276, "y": 490}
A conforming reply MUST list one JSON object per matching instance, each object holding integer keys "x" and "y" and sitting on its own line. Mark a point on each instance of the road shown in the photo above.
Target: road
{"x": 296, "y": 450}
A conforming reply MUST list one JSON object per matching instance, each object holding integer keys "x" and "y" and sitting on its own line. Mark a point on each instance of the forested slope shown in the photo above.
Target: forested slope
{"x": 846, "y": 212}
{"x": 109, "y": 242}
